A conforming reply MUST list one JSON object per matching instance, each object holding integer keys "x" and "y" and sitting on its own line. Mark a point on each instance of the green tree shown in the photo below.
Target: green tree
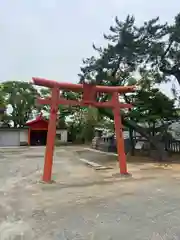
{"x": 82, "y": 124}
{"x": 3, "y": 106}
{"x": 21, "y": 98}
{"x": 2, "y": 97}
{"x": 164, "y": 52}
{"x": 63, "y": 110}
{"x": 153, "y": 108}
{"x": 148, "y": 51}
{"x": 81, "y": 121}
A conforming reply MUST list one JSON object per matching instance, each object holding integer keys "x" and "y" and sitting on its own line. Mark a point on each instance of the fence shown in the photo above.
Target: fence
{"x": 172, "y": 146}
{"x": 109, "y": 144}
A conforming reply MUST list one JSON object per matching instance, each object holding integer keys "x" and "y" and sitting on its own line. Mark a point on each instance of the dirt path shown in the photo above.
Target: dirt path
{"x": 85, "y": 203}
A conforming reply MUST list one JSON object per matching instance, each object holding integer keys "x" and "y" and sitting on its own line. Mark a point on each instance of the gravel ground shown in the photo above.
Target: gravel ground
{"x": 84, "y": 203}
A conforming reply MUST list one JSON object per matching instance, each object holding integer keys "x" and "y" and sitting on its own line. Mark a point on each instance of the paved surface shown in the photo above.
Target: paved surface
{"x": 85, "y": 203}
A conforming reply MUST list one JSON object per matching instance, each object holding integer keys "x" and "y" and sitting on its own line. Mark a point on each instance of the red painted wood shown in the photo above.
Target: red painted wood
{"x": 89, "y": 93}
{"x": 80, "y": 87}
{"x": 88, "y": 100}
{"x": 62, "y": 101}
{"x": 119, "y": 135}
{"x": 51, "y": 136}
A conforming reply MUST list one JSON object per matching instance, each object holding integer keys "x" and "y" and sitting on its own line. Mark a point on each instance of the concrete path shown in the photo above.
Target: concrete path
{"x": 85, "y": 203}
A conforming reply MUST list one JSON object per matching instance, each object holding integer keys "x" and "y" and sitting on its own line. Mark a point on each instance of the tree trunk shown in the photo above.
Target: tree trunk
{"x": 161, "y": 153}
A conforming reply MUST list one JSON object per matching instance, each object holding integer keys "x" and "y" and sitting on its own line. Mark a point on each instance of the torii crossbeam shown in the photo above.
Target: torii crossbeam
{"x": 89, "y": 95}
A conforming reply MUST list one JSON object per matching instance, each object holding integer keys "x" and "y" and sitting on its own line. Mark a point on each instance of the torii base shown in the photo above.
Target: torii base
{"x": 123, "y": 176}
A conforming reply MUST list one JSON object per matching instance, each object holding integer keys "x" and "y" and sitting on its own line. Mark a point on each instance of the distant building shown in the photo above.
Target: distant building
{"x": 35, "y": 133}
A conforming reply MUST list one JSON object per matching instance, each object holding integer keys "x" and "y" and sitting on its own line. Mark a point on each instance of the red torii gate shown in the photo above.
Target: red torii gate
{"x": 88, "y": 99}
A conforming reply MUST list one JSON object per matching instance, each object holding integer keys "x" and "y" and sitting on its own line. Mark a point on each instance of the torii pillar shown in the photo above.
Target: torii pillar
{"x": 89, "y": 99}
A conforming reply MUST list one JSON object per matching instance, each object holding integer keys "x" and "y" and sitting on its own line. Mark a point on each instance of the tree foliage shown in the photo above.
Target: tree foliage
{"x": 82, "y": 124}
{"x": 143, "y": 55}
{"x": 151, "y": 48}
{"x": 152, "y": 108}
{"x": 21, "y": 98}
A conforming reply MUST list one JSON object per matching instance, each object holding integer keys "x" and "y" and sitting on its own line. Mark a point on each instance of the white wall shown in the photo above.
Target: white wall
{"x": 61, "y": 135}
{"x": 9, "y": 138}
{"x": 24, "y": 135}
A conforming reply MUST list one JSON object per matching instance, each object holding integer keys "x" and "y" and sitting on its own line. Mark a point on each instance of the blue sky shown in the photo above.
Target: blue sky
{"x": 49, "y": 38}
